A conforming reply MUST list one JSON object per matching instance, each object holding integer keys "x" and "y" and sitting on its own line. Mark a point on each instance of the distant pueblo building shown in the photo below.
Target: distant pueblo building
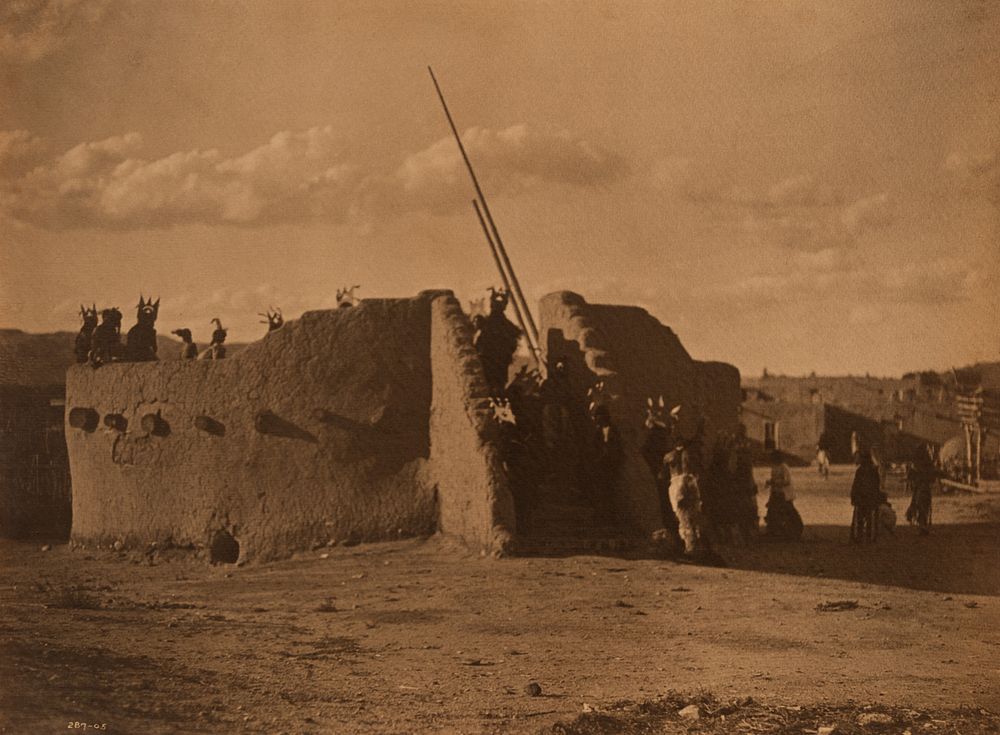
{"x": 895, "y": 415}
{"x": 364, "y": 423}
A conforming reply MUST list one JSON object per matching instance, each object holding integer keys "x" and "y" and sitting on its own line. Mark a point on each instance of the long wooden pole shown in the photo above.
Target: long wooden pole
{"x": 531, "y": 331}
{"x": 968, "y": 451}
{"x": 979, "y": 451}
{"x": 506, "y": 282}
{"x": 513, "y": 276}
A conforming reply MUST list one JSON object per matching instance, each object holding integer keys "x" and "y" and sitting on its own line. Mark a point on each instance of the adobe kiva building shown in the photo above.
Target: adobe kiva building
{"x": 365, "y": 423}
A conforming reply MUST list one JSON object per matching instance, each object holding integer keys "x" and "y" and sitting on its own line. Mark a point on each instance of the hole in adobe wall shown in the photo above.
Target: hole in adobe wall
{"x": 154, "y": 424}
{"x": 116, "y": 421}
{"x": 84, "y": 418}
{"x": 225, "y": 549}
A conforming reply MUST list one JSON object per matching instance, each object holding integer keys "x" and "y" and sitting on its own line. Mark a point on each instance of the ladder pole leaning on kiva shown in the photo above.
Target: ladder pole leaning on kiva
{"x": 535, "y": 351}
{"x": 531, "y": 331}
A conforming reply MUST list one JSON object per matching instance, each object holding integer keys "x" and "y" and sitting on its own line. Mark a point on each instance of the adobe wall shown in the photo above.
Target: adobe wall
{"x": 799, "y": 426}
{"x": 637, "y": 357}
{"x": 871, "y": 406}
{"x": 474, "y": 500}
{"x": 320, "y": 431}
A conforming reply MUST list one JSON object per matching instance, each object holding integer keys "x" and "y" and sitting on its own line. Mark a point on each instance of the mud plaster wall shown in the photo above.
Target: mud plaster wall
{"x": 798, "y": 426}
{"x": 637, "y": 357}
{"x": 351, "y": 390}
{"x": 474, "y": 501}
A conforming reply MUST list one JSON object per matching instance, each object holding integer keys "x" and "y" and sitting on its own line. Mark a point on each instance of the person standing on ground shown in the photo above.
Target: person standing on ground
{"x": 865, "y": 497}
{"x": 782, "y": 519}
{"x": 741, "y": 473}
{"x": 921, "y": 475}
{"x": 607, "y": 456}
{"x": 685, "y": 499}
{"x": 823, "y": 455}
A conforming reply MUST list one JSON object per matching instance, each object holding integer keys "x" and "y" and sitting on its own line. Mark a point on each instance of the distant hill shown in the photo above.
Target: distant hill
{"x": 42, "y": 359}
{"x": 986, "y": 374}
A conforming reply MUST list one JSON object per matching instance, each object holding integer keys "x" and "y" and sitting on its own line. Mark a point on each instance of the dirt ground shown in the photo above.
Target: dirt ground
{"x": 421, "y": 637}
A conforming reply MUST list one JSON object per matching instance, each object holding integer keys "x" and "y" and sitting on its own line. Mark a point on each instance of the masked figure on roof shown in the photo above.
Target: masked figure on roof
{"x": 217, "y": 349}
{"x": 274, "y": 319}
{"x": 346, "y": 297}
{"x": 81, "y": 348}
{"x": 106, "y": 342}
{"x": 189, "y": 350}
{"x": 496, "y": 341}
{"x": 140, "y": 342}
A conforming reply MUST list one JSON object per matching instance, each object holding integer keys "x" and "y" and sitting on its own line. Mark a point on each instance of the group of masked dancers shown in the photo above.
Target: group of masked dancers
{"x": 100, "y": 344}
{"x": 705, "y": 497}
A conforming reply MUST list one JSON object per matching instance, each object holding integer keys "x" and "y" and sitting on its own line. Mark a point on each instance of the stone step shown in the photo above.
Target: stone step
{"x": 568, "y": 514}
{"x": 558, "y": 492}
{"x": 537, "y": 545}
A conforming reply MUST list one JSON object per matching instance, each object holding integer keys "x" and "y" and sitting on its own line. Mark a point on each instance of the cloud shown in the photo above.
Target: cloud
{"x": 801, "y": 190}
{"x": 796, "y": 231}
{"x": 294, "y": 177}
{"x": 822, "y": 261}
{"x": 507, "y": 161}
{"x": 940, "y": 281}
{"x": 33, "y": 29}
{"x": 817, "y": 227}
{"x": 820, "y": 277}
{"x": 700, "y": 182}
{"x": 105, "y": 183}
{"x": 798, "y": 212}
{"x": 19, "y": 151}
{"x": 866, "y": 214}
{"x": 975, "y": 174}
{"x": 697, "y": 181}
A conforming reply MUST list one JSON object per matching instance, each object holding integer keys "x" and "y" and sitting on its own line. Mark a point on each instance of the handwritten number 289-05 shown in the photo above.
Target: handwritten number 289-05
{"x": 78, "y": 725}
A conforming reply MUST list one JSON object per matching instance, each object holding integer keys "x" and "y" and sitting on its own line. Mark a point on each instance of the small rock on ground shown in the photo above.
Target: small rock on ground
{"x": 874, "y": 718}
{"x": 691, "y": 712}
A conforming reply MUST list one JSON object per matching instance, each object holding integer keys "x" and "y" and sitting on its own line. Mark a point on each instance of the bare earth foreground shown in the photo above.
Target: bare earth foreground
{"x": 419, "y": 636}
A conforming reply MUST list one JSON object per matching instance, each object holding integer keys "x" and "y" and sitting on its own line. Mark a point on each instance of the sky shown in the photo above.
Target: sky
{"x": 794, "y": 186}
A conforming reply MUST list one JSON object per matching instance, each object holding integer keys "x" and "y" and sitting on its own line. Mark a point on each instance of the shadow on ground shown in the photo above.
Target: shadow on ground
{"x": 954, "y": 558}
{"x": 90, "y": 684}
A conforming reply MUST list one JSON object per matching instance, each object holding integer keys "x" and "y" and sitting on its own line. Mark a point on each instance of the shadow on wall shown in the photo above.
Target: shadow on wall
{"x": 840, "y": 424}
{"x": 267, "y": 422}
{"x": 581, "y": 377}
{"x": 892, "y": 444}
{"x": 762, "y": 455}
{"x": 955, "y": 559}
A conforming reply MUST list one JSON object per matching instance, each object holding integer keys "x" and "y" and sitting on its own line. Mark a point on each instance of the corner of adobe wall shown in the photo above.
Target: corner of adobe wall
{"x": 567, "y": 311}
{"x": 722, "y": 395}
{"x": 474, "y": 499}
{"x": 570, "y": 310}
